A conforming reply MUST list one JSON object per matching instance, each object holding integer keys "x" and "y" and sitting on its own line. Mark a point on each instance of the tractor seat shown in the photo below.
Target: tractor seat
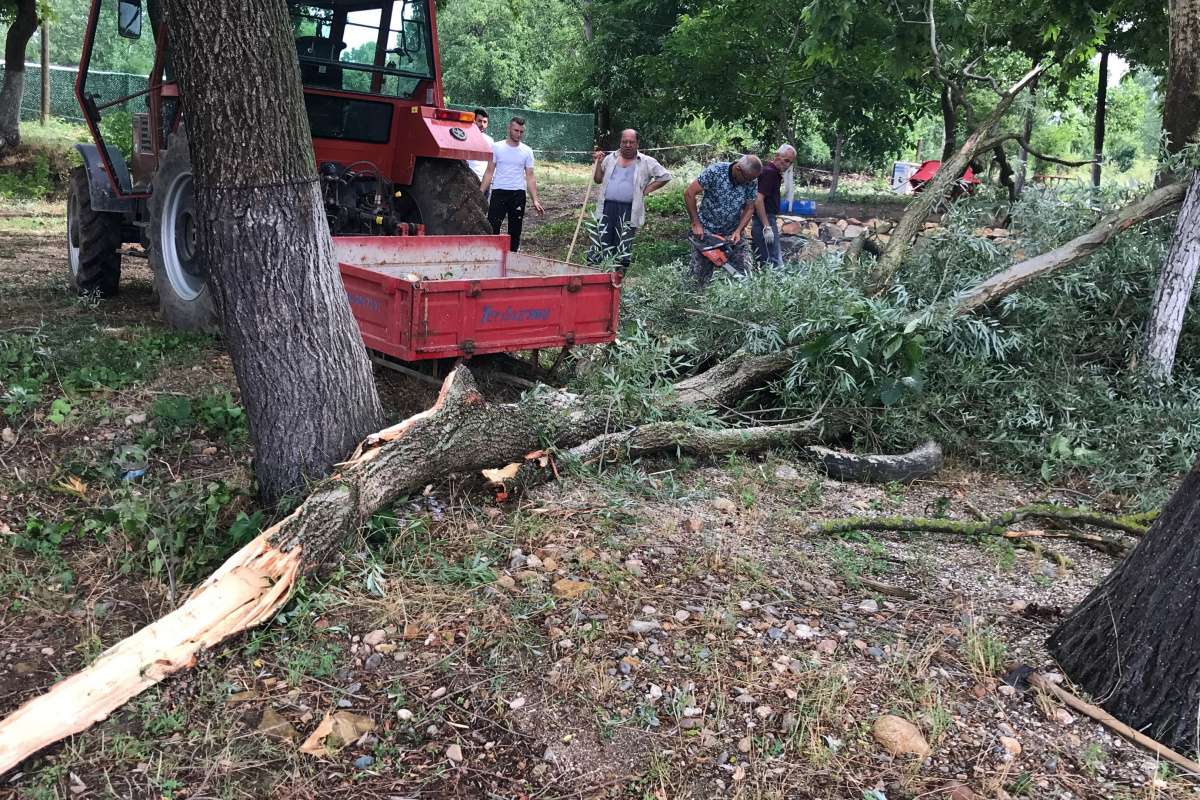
{"x": 313, "y": 50}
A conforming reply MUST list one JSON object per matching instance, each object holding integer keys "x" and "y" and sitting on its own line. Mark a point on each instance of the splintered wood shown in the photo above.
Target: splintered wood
{"x": 248, "y": 589}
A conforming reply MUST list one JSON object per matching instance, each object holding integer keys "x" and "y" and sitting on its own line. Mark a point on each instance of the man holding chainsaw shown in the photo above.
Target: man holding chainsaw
{"x": 764, "y": 233}
{"x": 729, "y": 189}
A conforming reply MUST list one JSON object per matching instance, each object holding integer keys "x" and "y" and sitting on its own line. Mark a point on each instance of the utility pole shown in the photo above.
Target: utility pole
{"x": 45, "y": 72}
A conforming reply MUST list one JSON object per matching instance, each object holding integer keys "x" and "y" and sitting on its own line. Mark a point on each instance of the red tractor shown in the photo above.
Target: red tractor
{"x": 390, "y": 155}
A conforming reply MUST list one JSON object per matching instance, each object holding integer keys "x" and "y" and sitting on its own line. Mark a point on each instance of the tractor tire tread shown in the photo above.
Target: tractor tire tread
{"x": 448, "y": 196}
{"x": 99, "y": 271}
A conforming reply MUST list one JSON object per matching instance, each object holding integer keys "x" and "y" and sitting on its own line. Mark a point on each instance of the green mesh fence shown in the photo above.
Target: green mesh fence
{"x": 106, "y": 85}
{"x": 553, "y": 135}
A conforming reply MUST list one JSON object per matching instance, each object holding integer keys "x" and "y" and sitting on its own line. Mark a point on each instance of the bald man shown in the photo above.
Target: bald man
{"x": 626, "y": 178}
{"x": 729, "y": 190}
{"x": 764, "y": 233}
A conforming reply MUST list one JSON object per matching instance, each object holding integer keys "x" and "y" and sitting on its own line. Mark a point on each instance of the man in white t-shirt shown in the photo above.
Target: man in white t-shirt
{"x": 481, "y": 122}
{"x": 509, "y": 176}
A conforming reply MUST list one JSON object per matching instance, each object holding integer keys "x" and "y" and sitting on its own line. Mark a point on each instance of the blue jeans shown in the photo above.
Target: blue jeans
{"x": 763, "y": 253}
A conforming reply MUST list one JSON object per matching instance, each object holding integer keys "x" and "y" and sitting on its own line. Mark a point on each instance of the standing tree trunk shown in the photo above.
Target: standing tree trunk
{"x": 949, "y": 124}
{"x": 1181, "y": 107}
{"x": 1023, "y": 163}
{"x": 1006, "y": 172}
{"x": 1131, "y": 643}
{"x": 837, "y": 164}
{"x": 1174, "y": 288}
{"x": 21, "y": 30}
{"x": 305, "y": 379}
{"x": 1101, "y": 108}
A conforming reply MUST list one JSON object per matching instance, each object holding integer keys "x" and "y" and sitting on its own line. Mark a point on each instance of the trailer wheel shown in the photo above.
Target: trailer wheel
{"x": 93, "y": 241}
{"x": 180, "y": 274}
{"x": 446, "y": 197}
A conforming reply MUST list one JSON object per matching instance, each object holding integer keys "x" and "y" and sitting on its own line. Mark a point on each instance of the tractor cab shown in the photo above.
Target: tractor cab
{"x": 379, "y": 47}
{"x": 390, "y": 156}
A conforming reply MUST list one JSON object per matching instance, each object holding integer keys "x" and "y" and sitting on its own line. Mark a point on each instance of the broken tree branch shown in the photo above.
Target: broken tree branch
{"x": 461, "y": 432}
{"x": 1098, "y": 714}
{"x": 936, "y": 188}
{"x": 1070, "y": 252}
{"x": 917, "y": 463}
{"x": 926, "y": 525}
{"x": 1024, "y": 142}
{"x": 731, "y": 379}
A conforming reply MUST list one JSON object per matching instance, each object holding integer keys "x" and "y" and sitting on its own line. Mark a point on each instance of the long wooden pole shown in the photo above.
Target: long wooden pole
{"x": 582, "y": 210}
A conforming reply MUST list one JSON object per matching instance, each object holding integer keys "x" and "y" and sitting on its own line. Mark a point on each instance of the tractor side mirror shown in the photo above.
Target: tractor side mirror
{"x": 129, "y": 18}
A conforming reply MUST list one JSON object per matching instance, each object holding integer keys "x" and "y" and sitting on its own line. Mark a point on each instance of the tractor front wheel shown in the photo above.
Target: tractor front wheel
{"x": 444, "y": 196}
{"x": 93, "y": 241}
{"x": 180, "y": 273}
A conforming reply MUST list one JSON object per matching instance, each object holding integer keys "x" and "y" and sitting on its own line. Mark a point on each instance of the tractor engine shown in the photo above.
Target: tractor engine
{"x": 359, "y": 200}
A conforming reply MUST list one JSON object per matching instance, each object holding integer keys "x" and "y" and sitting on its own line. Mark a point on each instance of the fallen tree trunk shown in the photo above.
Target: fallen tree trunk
{"x": 1071, "y": 252}
{"x": 730, "y": 380}
{"x": 924, "y": 460}
{"x": 461, "y": 432}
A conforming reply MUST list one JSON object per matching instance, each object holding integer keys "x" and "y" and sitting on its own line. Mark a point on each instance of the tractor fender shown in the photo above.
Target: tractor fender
{"x": 422, "y": 136}
{"x": 104, "y": 198}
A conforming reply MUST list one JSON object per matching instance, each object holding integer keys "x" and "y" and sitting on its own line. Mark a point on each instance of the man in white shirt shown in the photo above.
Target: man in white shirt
{"x": 481, "y": 122}
{"x": 626, "y": 177}
{"x": 509, "y": 176}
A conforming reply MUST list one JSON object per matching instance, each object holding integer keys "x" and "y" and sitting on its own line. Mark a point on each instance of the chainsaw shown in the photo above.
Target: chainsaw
{"x": 717, "y": 249}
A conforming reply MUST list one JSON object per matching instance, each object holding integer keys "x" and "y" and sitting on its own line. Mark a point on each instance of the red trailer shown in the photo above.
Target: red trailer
{"x": 425, "y": 297}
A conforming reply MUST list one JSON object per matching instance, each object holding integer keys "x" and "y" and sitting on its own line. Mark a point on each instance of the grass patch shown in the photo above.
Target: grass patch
{"x": 39, "y": 167}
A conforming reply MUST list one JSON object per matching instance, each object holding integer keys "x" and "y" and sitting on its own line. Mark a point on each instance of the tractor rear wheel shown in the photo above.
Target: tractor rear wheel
{"x": 93, "y": 241}
{"x": 447, "y": 198}
{"x": 180, "y": 273}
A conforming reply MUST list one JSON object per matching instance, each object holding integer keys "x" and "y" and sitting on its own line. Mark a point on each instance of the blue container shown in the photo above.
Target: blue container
{"x": 805, "y": 208}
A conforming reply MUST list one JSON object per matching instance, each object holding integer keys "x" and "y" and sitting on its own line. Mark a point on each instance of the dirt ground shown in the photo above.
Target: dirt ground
{"x": 657, "y": 630}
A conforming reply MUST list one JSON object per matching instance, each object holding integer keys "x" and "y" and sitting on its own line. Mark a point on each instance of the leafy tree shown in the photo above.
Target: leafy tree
{"x": 497, "y": 52}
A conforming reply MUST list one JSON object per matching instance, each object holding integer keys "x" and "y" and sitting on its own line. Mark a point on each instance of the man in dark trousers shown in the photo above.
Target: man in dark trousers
{"x": 509, "y": 176}
{"x": 764, "y": 229}
{"x": 626, "y": 178}
{"x": 729, "y": 190}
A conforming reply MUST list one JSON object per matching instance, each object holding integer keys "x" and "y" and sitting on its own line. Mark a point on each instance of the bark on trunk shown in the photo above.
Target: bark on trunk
{"x": 1101, "y": 108}
{"x": 732, "y": 379}
{"x": 837, "y": 164}
{"x": 19, "y": 33}
{"x": 305, "y": 379}
{"x": 1174, "y": 290}
{"x": 1071, "y": 252}
{"x": 1131, "y": 643}
{"x": 1181, "y": 107}
{"x": 1006, "y": 172}
{"x": 937, "y": 187}
{"x": 949, "y": 124}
